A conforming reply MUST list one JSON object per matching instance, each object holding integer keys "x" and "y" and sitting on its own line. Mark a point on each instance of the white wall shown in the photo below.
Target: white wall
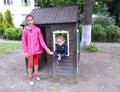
{"x": 17, "y": 10}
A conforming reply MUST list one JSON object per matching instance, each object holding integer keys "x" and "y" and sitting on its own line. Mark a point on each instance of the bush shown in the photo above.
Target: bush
{"x": 7, "y": 21}
{"x": 104, "y": 20}
{"x": 1, "y": 30}
{"x": 98, "y": 33}
{"x": 1, "y": 24}
{"x": 113, "y": 33}
{"x": 13, "y": 33}
{"x": 92, "y": 48}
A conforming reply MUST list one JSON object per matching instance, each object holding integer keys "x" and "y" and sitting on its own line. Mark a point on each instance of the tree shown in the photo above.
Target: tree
{"x": 42, "y": 3}
{"x": 100, "y": 6}
{"x": 111, "y": 6}
{"x": 114, "y": 9}
{"x": 1, "y": 24}
{"x": 7, "y": 22}
{"x": 55, "y": 3}
{"x": 87, "y": 23}
{"x": 1, "y": 18}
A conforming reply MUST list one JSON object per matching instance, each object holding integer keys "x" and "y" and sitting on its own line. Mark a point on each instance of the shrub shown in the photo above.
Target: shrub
{"x": 1, "y": 30}
{"x": 98, "y": 33}
{"x": 8, "y": 21}
{"x": 1, "y": 24}
{"x": 13, "y": 33}
{"x": 113, "y": 33}
{"x": 92, "y": 48}
{"x": 104, "y": 20}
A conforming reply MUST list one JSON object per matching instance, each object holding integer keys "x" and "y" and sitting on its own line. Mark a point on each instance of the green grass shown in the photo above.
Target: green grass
{"x": 6, "y": 48}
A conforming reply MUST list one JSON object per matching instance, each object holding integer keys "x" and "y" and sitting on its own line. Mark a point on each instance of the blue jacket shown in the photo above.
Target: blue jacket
{"x": 62, "y": 50}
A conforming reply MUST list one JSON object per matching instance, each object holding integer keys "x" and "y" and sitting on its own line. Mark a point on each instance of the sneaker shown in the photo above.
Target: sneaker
{"x": 31, "y": 83}
{"x": 57, "y": 61}
{"x": 36, "y": 77}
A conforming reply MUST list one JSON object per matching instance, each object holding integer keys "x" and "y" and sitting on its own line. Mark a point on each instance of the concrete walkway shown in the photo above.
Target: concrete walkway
{"x": 9, "y": 41}
{"x": 96, "y": 43}
{"x": 108, "y": 44}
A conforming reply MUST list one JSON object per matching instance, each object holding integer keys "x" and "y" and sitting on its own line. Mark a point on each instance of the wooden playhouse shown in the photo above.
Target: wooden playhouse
{"x": 54, "y": 21}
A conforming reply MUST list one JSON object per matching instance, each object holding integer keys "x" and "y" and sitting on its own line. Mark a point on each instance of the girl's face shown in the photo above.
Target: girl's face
{"x": 29, "y": 21}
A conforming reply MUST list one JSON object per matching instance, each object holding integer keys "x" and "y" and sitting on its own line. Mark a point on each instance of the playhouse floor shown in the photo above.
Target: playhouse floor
{"x": 99, "y": 72}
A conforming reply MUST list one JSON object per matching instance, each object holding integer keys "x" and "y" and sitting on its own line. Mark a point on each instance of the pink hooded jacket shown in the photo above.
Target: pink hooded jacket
{"x": 32, "y": 41}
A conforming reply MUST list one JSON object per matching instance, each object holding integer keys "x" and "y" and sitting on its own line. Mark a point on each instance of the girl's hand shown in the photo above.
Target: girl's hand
{"x": 49, "y": 52}
{"x": 26, "y": 55}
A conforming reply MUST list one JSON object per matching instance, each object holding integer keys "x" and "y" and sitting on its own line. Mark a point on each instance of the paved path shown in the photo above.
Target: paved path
{"x": 9, "y": 41}
{"x": 97, "y": 43}
{"x": 108, "y": 44}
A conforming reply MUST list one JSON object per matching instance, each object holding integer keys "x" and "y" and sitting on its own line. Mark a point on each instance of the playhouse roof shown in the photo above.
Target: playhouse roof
{"x": 52, "y": 15}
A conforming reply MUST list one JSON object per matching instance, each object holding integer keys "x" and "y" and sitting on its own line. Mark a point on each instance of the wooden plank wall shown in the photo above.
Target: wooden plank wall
{"x": 49, "y": 58}
{"x": 68, "y": 66}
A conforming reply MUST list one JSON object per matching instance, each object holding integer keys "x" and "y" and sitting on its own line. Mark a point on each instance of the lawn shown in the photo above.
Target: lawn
{"x": 6, "y": 48}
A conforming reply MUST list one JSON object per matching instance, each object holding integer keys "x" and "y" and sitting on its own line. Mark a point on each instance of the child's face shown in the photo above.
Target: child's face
{"x": 60, "y": 42}
{"x": 29, "y": 21}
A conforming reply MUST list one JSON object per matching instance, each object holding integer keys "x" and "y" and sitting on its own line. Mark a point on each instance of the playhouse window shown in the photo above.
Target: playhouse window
{"x": 63, "y": 33}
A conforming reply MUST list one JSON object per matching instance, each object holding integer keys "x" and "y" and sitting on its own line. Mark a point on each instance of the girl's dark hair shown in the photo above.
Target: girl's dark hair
{"x": 29, "y": 15}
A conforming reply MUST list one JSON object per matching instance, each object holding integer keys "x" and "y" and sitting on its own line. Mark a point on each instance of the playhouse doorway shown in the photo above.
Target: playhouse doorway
{"x": 43, "y": 64}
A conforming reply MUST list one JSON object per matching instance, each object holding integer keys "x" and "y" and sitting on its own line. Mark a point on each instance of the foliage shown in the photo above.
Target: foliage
{"x": 43, "y": 3}
{"x": 114, "y": 9}
{"x": 56, "y": 3}
{"x": 1, "y": 30}
{"x": 7, "y": 22}
{"x": 62, "y": 2}
{"x": 113, "y": 33}
{"x": 112, "y": 6}
{"x": 98, "y": 33}
{"x": 6, "y": 48}
{"x": 80, "y": 17}
{"x": 1, "y": 24}
{"x": 61, "y": 34}
{"x": 92, "y": 48}
{"x": 104, "y": 20}
{"x": 80, "y": 29}
{"x": 53, "y": 3}
{"x": 101, "y": 6}
{"x": 1, "y": 18}
{"x": 97, "y": 7}
{"x": 13, "y": 33}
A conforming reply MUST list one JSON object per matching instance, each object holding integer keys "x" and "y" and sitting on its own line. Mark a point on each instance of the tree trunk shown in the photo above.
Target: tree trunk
{"x": 87, "y": 23}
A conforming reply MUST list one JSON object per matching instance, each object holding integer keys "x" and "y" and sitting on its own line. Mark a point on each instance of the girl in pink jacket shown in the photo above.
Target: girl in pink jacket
{"x": 32, "y": 43}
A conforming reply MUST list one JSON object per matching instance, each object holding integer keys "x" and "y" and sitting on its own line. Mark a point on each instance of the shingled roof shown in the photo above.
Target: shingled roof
{"x": 54, "y": 15}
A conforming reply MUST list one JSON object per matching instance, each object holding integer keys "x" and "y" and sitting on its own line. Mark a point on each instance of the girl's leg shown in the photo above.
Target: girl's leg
{"x": 30, "y": 66}
{"x": 36, "y": 57}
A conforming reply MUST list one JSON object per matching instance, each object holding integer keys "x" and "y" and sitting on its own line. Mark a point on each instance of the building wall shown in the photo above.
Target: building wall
{"x": 18, "y": 10}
